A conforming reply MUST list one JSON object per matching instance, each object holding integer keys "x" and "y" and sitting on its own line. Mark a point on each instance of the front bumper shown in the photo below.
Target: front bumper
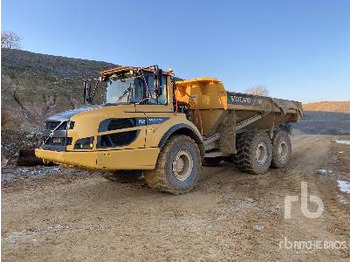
{"x": 125, "y": 159}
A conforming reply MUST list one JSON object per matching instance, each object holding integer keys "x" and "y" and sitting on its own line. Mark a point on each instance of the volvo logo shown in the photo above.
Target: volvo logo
{"x": 240, "y": 99}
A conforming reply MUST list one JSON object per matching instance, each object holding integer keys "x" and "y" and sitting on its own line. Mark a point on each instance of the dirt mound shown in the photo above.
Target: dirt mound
{"x": 13, "y": 141}
{"x": 328, "y": 106}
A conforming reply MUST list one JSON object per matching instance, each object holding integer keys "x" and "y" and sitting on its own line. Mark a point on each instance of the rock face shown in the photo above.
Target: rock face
{"x": 35, "y": 86}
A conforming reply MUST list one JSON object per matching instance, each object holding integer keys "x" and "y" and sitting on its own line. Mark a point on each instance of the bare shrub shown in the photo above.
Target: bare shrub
{"x": 10, "y": 40}
{"x": 258, "y": 90}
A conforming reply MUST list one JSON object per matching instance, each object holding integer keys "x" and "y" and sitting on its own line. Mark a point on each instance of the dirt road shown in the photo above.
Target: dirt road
{"x": 229, "y": 215}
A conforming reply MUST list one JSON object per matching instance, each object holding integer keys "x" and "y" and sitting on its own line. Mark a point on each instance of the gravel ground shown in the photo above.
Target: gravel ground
{"x": 72, "y": 215}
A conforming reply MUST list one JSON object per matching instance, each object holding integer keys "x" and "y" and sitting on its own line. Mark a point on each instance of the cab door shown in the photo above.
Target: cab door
{"x": 161, "y": 104}
{"x": 158, "y": 111}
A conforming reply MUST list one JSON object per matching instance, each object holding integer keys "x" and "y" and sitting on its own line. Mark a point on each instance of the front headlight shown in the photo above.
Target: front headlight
{"x": 84, "y": 143}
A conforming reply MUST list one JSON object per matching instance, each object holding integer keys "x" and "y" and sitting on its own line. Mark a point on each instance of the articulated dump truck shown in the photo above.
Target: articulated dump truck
{"x": 167, "y": 129}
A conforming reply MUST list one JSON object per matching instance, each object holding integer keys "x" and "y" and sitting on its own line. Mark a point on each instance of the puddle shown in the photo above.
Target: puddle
{"x": 344, "y": 186}
{"x": 345, "y": 142}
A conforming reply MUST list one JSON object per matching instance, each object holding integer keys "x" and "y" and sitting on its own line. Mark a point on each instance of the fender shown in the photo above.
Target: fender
{"x": 186, "y": 130}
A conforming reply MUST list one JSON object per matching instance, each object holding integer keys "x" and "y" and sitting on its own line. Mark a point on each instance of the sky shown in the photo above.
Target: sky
{"x": 298, "y": 49}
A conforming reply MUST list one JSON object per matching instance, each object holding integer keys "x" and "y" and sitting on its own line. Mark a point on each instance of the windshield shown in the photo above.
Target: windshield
{"x": 136, "y": 89}
{"x": 127, "y": 90}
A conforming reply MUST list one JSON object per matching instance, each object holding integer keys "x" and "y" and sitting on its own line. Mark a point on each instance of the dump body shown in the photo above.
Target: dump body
{"x": 214, "y": 103}
{"x": 228, "y": 113}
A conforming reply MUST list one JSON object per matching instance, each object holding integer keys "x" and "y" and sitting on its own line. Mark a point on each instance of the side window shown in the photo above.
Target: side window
{"x": 150, "y": 82}
{"x": 162, "y": 99}
{"x": 137, "y": 92}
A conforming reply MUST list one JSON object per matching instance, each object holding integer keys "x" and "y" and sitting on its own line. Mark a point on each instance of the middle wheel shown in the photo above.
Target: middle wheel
{"x": 254, "y": 152}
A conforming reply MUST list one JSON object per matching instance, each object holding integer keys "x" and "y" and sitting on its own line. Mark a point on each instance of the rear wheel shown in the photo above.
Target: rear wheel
{"x": 178, "y": 167}
{"x": 254, "y": 152}
{"x": 281, "y": 149}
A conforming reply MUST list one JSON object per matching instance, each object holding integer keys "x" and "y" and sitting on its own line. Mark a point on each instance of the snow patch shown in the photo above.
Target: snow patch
{"x": 345, "y": 142}
{"x": 259, "y": 227}
{"x": 342, "y": 200}
{"x": 344, "y": 186}
{"x": 325, "y": 171}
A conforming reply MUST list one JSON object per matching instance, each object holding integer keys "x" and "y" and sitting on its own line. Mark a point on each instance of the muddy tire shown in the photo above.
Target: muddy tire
{"x": 212, "y": 161}
{"x": 254, "y": 152}
{"x": 178, "y": 167}
{"x": 281, "y": 149}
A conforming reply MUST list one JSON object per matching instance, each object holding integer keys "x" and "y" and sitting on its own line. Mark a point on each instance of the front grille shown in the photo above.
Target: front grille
{"x": 58, "y": 141}
{"x": 52, "y": 125}
{"x": 55, "y": 136}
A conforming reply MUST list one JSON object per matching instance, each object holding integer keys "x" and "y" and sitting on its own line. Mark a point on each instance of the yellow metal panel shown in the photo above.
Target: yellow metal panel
{"x": 133, "y": 159}
{"x": 209, "y": 118}
{"x": 127, "y": 159}
{"x": 206, "y": 93}
{"x": 79, "y": 159}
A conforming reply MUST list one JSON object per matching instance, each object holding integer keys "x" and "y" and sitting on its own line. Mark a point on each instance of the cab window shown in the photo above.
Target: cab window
{"x": 162, "y": 99}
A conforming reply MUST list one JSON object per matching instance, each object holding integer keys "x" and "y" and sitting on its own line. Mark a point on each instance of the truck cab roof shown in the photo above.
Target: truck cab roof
{"x": 123, "y": 69}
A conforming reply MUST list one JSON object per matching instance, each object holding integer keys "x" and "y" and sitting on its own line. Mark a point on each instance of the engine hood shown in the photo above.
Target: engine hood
{"x": 65, "y": 116}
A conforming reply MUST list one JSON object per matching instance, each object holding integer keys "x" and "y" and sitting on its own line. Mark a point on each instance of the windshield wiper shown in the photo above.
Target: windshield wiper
{"x": 127, "y": 91}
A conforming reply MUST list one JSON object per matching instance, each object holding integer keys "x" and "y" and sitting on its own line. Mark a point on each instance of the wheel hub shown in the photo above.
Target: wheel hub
{"x": 261, "y": 153}
{"x": 182, "y": 165}
{"x": 282, "y": 151}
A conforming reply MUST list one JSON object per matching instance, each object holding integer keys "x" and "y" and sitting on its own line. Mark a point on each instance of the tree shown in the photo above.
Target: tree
{"x": 258, "y": 90}
{"x": 10, "y": 40}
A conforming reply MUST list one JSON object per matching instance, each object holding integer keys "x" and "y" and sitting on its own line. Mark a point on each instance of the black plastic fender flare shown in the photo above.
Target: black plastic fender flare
{"x": 190, "y": 131}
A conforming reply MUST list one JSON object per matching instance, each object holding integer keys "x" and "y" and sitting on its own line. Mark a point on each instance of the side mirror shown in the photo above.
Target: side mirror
{"x": 159, "y": 82}
{"x": 160, "y": 77}
{"x": 87, "y": 92}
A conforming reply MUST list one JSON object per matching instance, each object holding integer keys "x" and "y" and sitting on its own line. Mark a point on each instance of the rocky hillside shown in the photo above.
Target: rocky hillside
{"x": 329, "y": 106}
{"x": 34, "y": 86}
{"x": 326, "y": 117}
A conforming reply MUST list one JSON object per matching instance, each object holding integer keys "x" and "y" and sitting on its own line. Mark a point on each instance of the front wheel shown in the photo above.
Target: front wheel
{"x": 178, "y": 167}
